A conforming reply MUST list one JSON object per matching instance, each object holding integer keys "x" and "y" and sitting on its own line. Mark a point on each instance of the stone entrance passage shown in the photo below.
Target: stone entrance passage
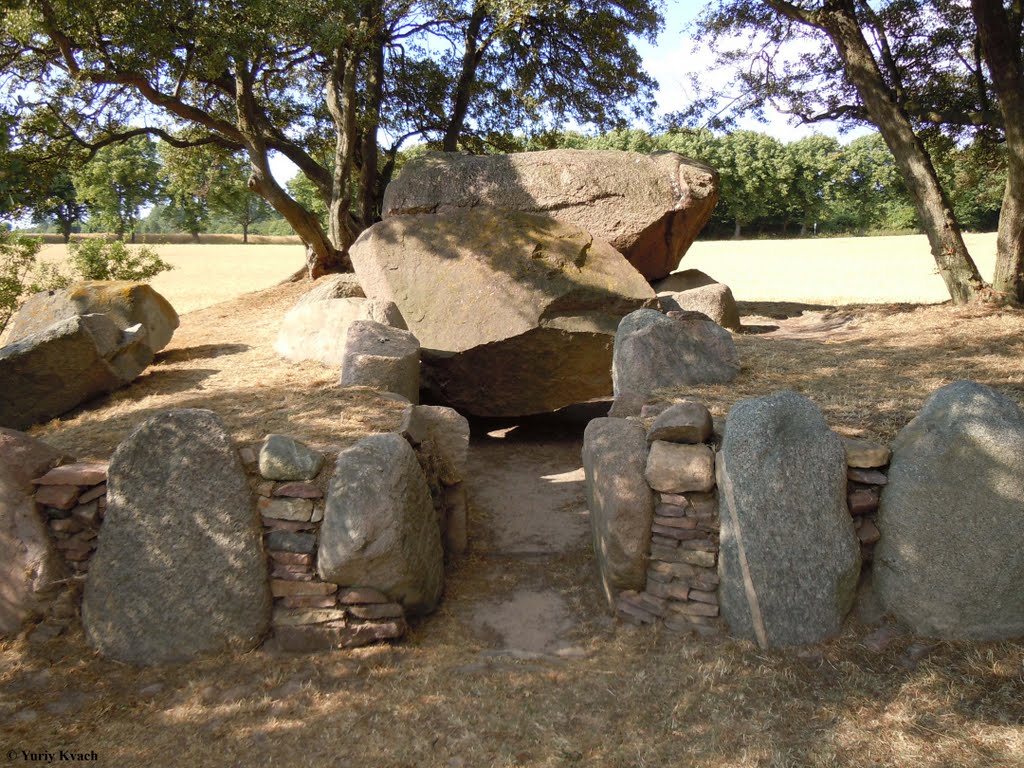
{"x": 529, "y": 526}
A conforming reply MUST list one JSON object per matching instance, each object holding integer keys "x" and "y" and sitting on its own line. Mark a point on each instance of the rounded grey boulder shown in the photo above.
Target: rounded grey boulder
{"x": 179, "y": 570}
{"x": 380, "y": 529}
{"x": 789, "y": 559}
{"x": 950, "y": 562}
{"x": 653, "y": 351}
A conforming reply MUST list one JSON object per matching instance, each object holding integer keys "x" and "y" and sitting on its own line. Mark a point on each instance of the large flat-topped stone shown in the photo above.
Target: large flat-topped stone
{"x": 648, "y": 207}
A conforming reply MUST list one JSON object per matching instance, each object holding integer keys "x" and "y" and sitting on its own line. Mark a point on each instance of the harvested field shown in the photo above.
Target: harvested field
{"x": 834, "y": 271}
{"x": 623, "y": 696}
{"x": 205, "y": 274}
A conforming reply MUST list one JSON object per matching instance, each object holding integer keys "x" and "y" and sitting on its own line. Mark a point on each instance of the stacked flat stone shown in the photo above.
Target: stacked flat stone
{"x": 866, "y": 475}
{"x": 288, "y": 480}
{"x": 681, "y": 589}
{"x": 74, "y": 499}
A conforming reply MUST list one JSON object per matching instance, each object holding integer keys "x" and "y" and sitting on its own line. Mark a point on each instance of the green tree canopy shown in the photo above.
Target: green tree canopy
{"x": 320, "y": 81}
{"x": 912, "y": 68}
{"x": 120, "y": 179}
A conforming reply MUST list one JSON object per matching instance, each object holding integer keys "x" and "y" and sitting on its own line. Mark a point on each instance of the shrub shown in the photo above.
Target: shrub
{"x": 96, "y": 259}
{"x": 17, "y": 258}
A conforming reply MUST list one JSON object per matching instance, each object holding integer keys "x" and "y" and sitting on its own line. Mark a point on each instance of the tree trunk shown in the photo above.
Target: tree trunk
{"x": 467, "y": 77}
{"x": 321, "y": 254}
{"x": 737, "y": 230}
{"x": 1001, "y": 48}
{"x": 245, "y": 233}
{"x": 803, "y": 229}
{"x": 955, "y": 265}
{"x": 374, "y": 97}
{"x": 342, "y": 104}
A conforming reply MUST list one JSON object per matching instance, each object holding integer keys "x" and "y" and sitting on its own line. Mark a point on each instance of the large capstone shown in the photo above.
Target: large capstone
{"x": 515, "y": 312}
{"x": 179, "y": 570}
{"x": 318, "y": 330}
{"x": 50, "y": 372}
{"x": 950, "y": 562}
{"x": 789, "y": 559}
{"x": 654, "y": 351}
{"x": 30, "y": 567}
{"x": 649, "y": 207}
{"x": 125, "y": 303}
{"x": 621, "y": 503}
{"x": 379, "y": 527}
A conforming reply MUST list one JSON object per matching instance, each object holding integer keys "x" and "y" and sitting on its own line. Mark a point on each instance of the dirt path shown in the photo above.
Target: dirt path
{"x": 531, "y": 536}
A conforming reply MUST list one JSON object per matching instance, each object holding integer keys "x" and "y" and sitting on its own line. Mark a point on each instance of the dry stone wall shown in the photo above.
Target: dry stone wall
{"x": 289, "y": 485}
{"x": 681, "y": 587}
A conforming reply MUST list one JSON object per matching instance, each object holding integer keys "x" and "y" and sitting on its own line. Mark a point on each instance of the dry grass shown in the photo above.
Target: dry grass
{"x": 638, "y": 698}
{"x": 870, "y": 367}
{"x": 222, "y": 358}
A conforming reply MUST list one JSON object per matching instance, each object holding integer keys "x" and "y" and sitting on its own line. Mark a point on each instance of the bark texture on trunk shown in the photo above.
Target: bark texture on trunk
{"x": 467, "y": 77}
{"x": 1001, "y": 48}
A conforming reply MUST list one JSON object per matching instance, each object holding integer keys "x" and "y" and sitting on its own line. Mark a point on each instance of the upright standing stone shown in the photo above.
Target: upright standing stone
{"x": 29, "y": 565}
{"x": 383, "y": 358}
{"x": 789, "y": 559}
{"x": 447, "y": 432}
{"x": 179, "y": 570}
{"x": 379, "y": 527}
{"x": 950, "y": 561}
{"x": 318, "y": 330}
{"x": 620, "y": 502}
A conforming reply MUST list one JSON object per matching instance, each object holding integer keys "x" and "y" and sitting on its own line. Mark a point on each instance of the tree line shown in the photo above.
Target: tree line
{"x": 178, "y": 189}
{"x": 812, "y": 186}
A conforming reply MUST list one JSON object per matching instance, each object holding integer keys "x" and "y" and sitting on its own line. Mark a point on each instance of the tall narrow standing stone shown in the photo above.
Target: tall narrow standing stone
{"x": 179, "y": 570}
{"x": 621, "y": 503}
{"x": 789, "y": 558}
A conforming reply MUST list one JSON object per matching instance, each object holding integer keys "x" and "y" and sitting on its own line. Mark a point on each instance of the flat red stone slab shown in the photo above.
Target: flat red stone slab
{"x": 81, "y": 473}
{"x": 57, "y": 496}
